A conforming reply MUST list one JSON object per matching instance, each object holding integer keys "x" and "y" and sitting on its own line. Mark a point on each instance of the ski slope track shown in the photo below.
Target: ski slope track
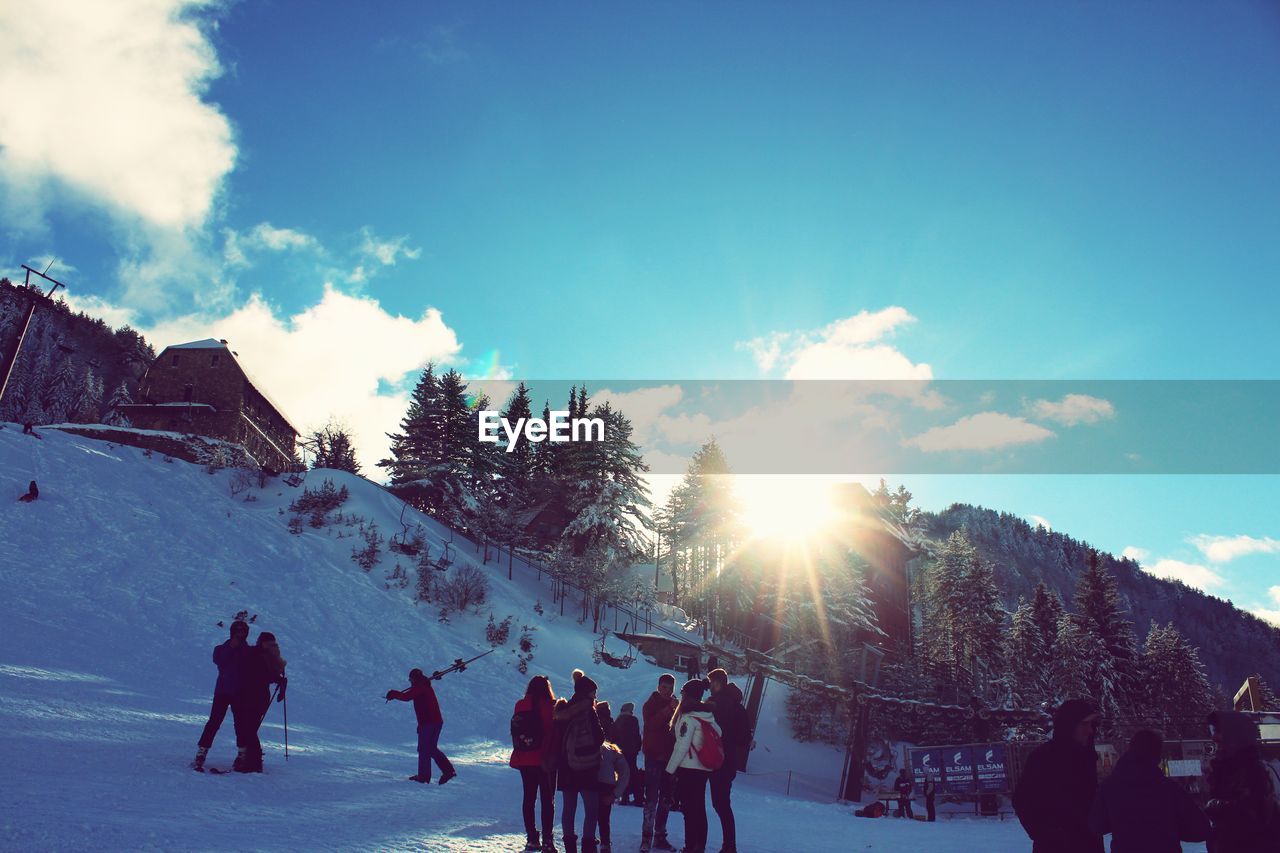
{"x": 111, "y": 587}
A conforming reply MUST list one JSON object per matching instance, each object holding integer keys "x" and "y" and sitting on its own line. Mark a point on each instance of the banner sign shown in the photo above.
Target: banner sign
{"x": 992, "y": 776}
{"x": 957, "y": 769}
{"x": 926, "y": 764}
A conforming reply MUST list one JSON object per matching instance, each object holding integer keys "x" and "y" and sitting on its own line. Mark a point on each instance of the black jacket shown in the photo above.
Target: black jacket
{"x": 1145, "y": 811}
{"x": 626, "y": 734}
{"x": 735, "y": 726}
{"x": 1055, "y": 794}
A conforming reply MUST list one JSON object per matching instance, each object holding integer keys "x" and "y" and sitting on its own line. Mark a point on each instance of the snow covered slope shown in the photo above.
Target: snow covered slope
{"x": 111, "y": 587}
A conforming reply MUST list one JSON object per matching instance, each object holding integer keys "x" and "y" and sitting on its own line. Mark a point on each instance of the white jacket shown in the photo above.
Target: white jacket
{"x": 689, "y": 740}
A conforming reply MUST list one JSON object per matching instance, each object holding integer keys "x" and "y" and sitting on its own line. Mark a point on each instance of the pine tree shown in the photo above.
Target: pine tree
{"x": 1267, "y": 696}
{"x": 60, "y": 393}
{"x": 88, "y": 406}
{"x": 1173, "y": 686}
{"x": 1100, "y": 612}
{"x": 119, "y": 398}
{"x": 1076, "y": 672}
{"x": 333, "y": 448}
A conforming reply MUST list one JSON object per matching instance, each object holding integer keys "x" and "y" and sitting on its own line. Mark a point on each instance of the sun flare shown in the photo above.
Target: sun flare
{"x": 790, "y": 509}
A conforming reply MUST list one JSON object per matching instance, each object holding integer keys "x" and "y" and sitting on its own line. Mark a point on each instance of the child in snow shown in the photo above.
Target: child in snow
{"x": 614, "y": 777}
{"x": 32, "y": 493}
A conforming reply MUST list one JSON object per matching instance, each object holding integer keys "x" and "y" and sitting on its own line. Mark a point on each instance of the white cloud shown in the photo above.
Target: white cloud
{"x": 1267, "y": 614}
{"x": 1223, "y": 549}
{"x": 326, "y": 360}
{"x": 1041, "y": 521}
{"x": 851, "y": 348}
{"x": 376, "y": 253}
{"x": 280, "y": 239}
{"x": 1192, "y": 574}
{"x": 1133, "y": 552}
{"x": 1074, "y": 409}
{"x": 104, "y": 100}
{"x": 983, "y": 431}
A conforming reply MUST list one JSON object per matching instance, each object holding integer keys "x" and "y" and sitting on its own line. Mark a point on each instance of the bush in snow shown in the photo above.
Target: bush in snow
{"x": 367, "y": 557}
{"x": 467, "y": 587}
{"x": 398, "y": 579}
{"x": 318, "y": 503}
{"x": 526, "y": 645}
{"x": 497, "y": 633}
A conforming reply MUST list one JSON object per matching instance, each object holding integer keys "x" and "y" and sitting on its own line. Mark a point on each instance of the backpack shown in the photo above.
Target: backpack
{"x": 526, "y": 729}
{"x": 581, "y": 748}
{"x": 711, "y": 753}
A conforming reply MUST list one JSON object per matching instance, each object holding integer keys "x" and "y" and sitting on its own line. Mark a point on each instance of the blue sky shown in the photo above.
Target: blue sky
{"x": 610, "y": 191}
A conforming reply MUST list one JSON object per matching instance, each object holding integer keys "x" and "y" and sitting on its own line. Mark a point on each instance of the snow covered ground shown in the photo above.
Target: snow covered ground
{"x": 111, "y": 585}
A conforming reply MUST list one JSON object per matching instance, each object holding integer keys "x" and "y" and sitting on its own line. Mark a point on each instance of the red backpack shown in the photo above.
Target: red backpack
{"x": 711, "y": 753}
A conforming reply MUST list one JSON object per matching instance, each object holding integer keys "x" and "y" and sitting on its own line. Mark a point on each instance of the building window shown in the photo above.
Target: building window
{"x": 213, "y": 361}
{"x": 174, "y": 363}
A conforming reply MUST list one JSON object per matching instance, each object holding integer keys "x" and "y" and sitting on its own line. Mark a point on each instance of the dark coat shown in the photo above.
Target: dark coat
{"x": 426, "y": 707}
{"x": 905, "y": 786}
{"x": 1055, "y": 793}
{"x": 735, "y": 727}
{"x": 626, "y": 734}
{"x": 232, "y": 663}
{"x": 658, "y": 738}
{"x": 567, "y": 778}
{"x": 261, "y": 670}
{"x": 1242, "y": 804}
{"x": 1145, "y": 811}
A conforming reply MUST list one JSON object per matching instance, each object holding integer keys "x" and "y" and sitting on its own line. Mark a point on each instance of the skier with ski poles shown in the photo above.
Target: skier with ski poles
{"x": 430, "y": 721}
{"x": 264, "y": 667}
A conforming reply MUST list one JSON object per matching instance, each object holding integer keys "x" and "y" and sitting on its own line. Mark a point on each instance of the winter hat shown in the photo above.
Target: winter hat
{"x": 693, "y": 690}
{"x": 577, "y": 675}
{"x": 584, "y": 686}
{"x": 604, "y": 714}
{"x": 1235, "y": 731}
{"x": 628, "y": 708}
{"x": 1071, "y": 713}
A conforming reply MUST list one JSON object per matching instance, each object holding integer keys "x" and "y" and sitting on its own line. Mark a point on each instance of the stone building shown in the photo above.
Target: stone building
{"x": 201, "y": 387}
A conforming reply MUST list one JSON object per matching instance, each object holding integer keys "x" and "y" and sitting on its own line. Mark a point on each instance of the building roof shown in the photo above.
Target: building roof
{"x": 211, "y": 343}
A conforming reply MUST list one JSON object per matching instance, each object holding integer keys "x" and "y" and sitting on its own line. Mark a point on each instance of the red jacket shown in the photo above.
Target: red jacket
{"x": 425, "y": 705}
{"x": 658, "y": 740}
{"x": 538, "y": 756}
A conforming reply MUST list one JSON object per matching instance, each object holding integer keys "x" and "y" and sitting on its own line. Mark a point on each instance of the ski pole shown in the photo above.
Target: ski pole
{"x": 286, "y": 726}
{"x": 268, "y": 708}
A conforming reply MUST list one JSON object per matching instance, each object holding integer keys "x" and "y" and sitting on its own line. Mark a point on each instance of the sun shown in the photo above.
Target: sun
{"x": 789, "y": 509}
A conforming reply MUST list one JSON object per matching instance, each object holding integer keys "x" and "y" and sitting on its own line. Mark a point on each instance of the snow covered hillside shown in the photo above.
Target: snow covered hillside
{"x": 111, "y": 587}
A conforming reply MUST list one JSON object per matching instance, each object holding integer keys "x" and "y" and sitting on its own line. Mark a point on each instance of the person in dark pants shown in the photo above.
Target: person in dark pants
{"x": 33, "y": 492}
{"x": 532, "y": 753}
{"x": 1242, "y": 798}
{"x": 229, "y": 658}
{"x": 626, "y": 734}
{"x": 1144, "y": 810}
{"x": 263, "y": 667}
{"x": 658, "y": 711}
{"x": 930, "y": 799}
{"x": 695, "y": 721}
{"x": 695, "y": 666}
{"x": 578, "y": 736}
{"x": 430, "y": 723}
{"x": 1056, "y": 790}
{"x": 735, "y": 736}
{"x": 905, "y": 786}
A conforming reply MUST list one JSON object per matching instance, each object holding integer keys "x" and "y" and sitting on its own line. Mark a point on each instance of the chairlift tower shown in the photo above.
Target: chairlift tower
{"x": 26, "y": 323}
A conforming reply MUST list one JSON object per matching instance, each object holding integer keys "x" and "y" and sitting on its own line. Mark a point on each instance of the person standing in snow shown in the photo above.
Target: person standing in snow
{"x": 930, "y": 799}
{"x": 533, "y": 751}
{"x": 1242, "y": 799}
{"x": 430, "y": 723}
{"x": 905, "y": 786}
{"x": 263, "y": 667}
{"x": 1144, "y": 810}
{"x": 229, "y": 658}
{"x": 1058, "y": 784}
{"x": 735, "y": 729}
{"x": 613, "y": 778}
{"x": 694, "y": 724}
{"x": 659, "y": 712}
{"x": 578, "y": 737}
{"x": 626, "y": 734}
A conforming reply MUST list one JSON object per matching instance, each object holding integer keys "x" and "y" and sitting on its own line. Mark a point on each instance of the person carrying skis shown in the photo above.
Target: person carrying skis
{"x": 229, "y": 658}
{"x": 1058, "y": 784}
{"x": 626, "y": 734}
{"x": 533, "y": 754}
{"x": 578, "y": 737}
{"x": 658, "y": 711}
{"x": 698, "y": 751}
{"x": 32, "y": 493}
{"x": 613, "y": 778}
{"x": 735, "y": 728}
{"x": 1242, "y": 799}
{"x": 263, "y": 667}
{"x": 430, "y": 723}
{"x": 1144, "y": 810}
{"x": 905, "y": 786}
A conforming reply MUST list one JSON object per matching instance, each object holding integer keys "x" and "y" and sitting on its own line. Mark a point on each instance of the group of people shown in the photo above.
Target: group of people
{"x": 576, "y": 746}
{"x": 245, "y": 675}
{"x": 1064, "y": 809}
